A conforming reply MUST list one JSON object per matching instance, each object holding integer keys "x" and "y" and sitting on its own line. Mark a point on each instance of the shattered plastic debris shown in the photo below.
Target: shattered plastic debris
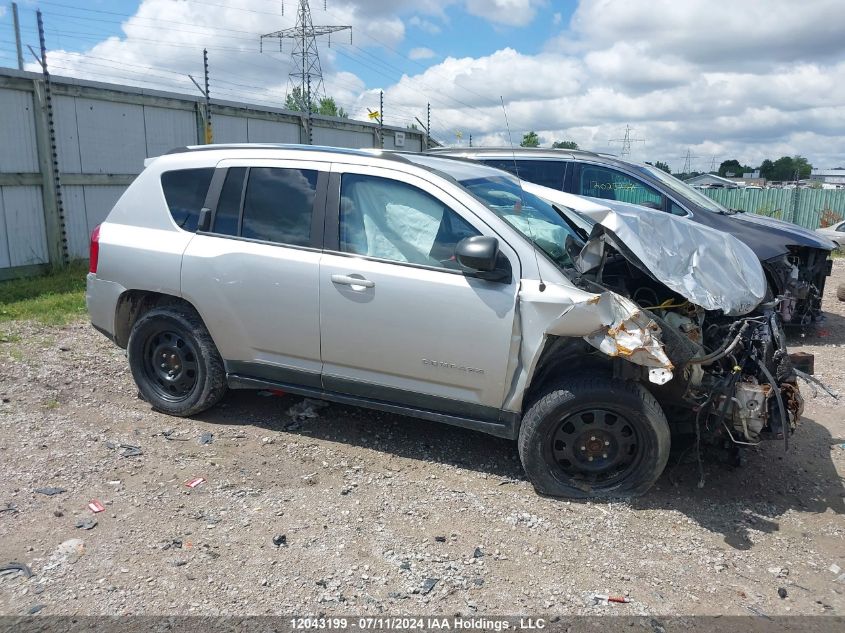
{"x": 604, "y": 599}
{"x": 306, "y": 409}
{"x": 95, "y": 506}
{"x": 16, "y": 567}
{"x": 193, "y": 483}
{"x": 428, "y": 585}
{"x": 205, "y": 438}
{"x": 131, "y": 451}
{"x": 10, "y": 507}
{"x": 477, "y": 553}
{"x": 50, "y": 491}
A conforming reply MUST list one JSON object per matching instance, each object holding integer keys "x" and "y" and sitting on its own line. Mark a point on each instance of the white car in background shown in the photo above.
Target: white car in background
{"x": 835, "y": 233}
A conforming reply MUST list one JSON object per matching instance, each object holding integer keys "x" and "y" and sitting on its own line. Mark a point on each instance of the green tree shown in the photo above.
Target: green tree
{"x": 660, "y": 165}
{"x": 767, "y": 170}
{"x": 789, "y": 168}
{"x": 734, "y": 168}
{"x": 564, "y": 145}
{"x": 326, "y": 106}
{"x": 530, "y": 139}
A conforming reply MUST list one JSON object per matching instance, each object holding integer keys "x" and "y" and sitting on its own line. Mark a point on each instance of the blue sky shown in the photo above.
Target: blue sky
{"x": 746, "y": 80}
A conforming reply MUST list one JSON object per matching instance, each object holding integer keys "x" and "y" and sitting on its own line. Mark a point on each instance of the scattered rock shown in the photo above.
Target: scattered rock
{"x": 87, "y": 524}
{"x": 477, "y": 553}
{"x": 205, "y": 438}
{"x": 280, "y": 540}
{"x": 36, "y": 608}
{"x": 440, "y": 539}
{"x": 782, "y": 592}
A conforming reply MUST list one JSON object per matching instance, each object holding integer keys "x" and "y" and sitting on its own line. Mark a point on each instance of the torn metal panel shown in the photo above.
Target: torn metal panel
{"x": 609, "y": 322}
{"x": 710, "y": 268}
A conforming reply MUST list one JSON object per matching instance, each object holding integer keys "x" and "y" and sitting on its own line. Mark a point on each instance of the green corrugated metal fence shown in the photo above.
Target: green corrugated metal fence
{"x": 810, "y": 208}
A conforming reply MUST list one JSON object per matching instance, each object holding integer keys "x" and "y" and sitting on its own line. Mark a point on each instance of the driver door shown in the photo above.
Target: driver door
{"x": 399, "y": 321}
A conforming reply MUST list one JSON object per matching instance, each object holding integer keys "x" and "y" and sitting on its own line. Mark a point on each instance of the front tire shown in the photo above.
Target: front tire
{"x": 174, "y": 361}
{"x": 594, "y": 437}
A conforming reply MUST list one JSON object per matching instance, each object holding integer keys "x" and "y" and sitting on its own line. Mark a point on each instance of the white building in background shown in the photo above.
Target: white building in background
{"x": 829, "y": 176}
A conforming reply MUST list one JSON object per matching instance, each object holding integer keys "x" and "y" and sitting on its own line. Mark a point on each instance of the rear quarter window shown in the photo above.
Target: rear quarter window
{"x": 185, "y": 191}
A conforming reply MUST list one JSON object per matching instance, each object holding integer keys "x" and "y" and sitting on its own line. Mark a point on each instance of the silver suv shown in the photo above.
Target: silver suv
{"x": 440, "y": 289}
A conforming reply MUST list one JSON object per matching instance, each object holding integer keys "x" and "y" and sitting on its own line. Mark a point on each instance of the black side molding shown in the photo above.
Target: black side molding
{"x": 507, "y": 426}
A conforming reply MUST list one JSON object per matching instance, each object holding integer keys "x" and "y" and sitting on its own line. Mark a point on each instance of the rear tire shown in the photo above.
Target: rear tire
{"x": 174, "y": 361}
{"x": 594, "y": 437}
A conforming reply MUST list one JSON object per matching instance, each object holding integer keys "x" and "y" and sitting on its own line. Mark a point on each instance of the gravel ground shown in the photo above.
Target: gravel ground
{"x": 355, "y": 512}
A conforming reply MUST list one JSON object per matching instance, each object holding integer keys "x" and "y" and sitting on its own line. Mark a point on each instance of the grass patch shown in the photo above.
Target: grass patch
{"x": 52, "y": 299}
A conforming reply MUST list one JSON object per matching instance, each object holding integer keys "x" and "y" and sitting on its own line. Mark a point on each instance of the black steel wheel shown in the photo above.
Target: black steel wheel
{"x": 595, "y": 446}
{"x": 170, "y": 364}
{"x": 594, "y": 437}
{"x": 174, "y": 361}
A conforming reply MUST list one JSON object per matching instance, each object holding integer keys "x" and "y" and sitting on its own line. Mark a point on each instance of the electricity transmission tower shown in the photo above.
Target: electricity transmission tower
{"x": 306, "y": 73}
{"x": 688, "y": 161}
{"x": 626, "y": 142}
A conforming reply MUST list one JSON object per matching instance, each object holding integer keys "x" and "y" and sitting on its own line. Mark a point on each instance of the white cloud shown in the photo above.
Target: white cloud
{"x": 424, "y": 25}
{"x": 557, "y": 19}
{"x": 507, "y": 12}
{"x": 421, "y": 53}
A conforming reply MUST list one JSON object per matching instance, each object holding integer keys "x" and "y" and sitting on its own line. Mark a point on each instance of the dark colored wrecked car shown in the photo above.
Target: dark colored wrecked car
{"x": 796, "y": 261}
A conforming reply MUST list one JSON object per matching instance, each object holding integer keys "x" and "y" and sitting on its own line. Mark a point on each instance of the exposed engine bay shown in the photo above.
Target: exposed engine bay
{"x": 800, "y": 276}
{"x": 732, "y": 376}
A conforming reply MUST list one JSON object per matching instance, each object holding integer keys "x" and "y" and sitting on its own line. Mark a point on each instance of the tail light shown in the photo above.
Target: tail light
{"x": 94, "y": 250}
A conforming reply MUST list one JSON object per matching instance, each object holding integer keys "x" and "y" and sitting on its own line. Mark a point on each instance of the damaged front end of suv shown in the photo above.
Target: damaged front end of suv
{"x": 682, "y": 311}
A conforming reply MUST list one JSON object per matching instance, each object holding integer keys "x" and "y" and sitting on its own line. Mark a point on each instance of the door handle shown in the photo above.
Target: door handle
{"x": 346, "y": 280}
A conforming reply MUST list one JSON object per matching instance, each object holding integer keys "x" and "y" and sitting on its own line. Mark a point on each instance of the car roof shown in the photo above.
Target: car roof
{"x": 284, "y": 146}
{"x": 519, "y": 152}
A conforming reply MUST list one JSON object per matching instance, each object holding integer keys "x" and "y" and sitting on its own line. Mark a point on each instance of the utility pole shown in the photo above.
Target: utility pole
{"x": 626, "y": 142}
{"x": 310, "y": 118}
{"x": 48, "y": 157}
{"x": 428, "y": 126}
{"x": 17, "y": 34}
{"x": 305, "y": 56}
{"x": 381, "y": 118}
{"x": 208, "y": 136}
{"x": 713, "y": 164}
{"x": 470, "y": 140}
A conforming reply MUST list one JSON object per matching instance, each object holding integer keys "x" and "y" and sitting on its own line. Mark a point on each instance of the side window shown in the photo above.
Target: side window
{"x": 278, "y": 204}
{"x": 601, "y": 182}
{"x": 841, "y": 228}
{"x": 548, "y": 173}
{"x": 675, "y": 209}
{"x": 185, "y": 190}
{"x": 396, "y": 221}
{"x": 229, "y": 205}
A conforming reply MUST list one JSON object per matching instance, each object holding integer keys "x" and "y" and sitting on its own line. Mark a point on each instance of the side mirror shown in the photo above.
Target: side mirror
{"x": 204, "y": 221}
{"x": 480, "y": 255}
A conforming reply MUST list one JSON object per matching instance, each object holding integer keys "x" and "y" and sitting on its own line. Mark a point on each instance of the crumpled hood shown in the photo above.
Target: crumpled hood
{"x": 709, "y": 268}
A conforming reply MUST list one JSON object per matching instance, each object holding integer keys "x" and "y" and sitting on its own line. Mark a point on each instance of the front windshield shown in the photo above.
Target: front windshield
{"x": 684, "y": 189}
{"x": 535, "y": 218}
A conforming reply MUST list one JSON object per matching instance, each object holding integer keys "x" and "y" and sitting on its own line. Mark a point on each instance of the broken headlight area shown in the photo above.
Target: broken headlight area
{"x": 799, "y": 279}
{"x": 730, "y": 378}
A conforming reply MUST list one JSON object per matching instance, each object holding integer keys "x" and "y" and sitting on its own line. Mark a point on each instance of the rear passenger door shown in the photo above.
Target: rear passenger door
{"x": 253, "y": 273}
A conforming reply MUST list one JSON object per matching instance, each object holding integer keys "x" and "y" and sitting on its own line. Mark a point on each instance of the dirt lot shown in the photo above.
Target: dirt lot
{"x": 382, "y": 514}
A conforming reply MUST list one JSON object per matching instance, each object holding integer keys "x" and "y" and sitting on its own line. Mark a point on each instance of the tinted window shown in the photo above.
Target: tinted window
{"x": 229, "y": 205}
{"x": 278, "y": 205}
{"x": 601, "y": 182}
{"x": 841, "y": 228}
{"x": 396, "y": 221}
{"x": 548, "y": 173}
{"x": 185, "y": 190}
